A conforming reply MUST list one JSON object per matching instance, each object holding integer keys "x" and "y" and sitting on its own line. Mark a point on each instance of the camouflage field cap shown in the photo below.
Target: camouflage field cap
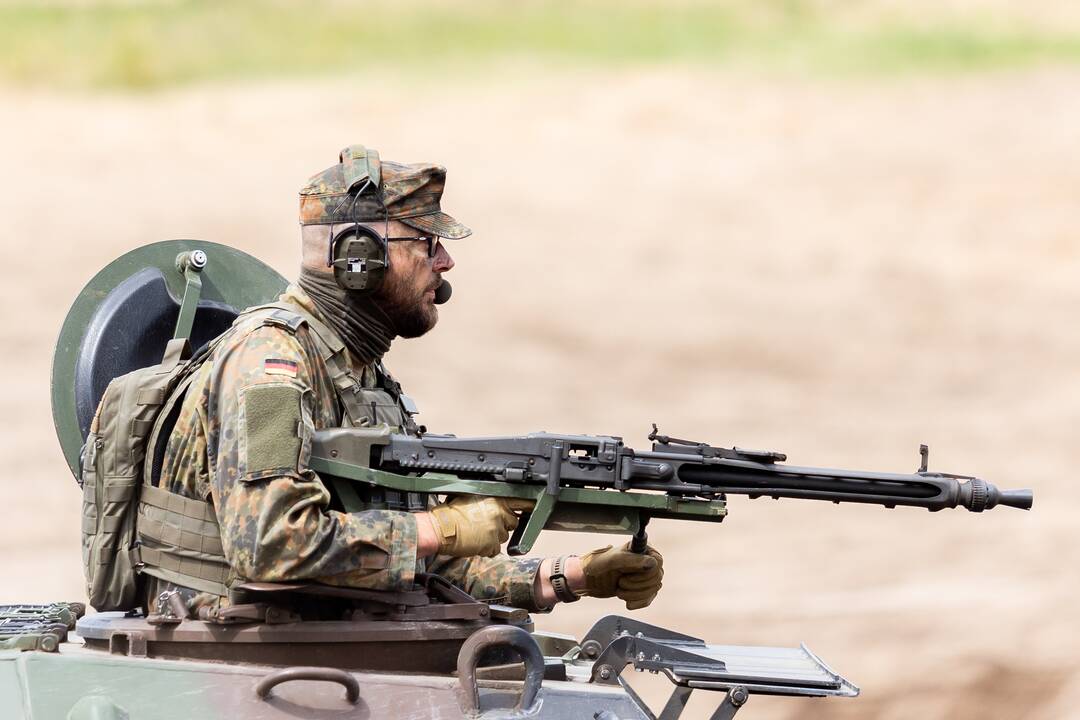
{"x": 411, "y": 193}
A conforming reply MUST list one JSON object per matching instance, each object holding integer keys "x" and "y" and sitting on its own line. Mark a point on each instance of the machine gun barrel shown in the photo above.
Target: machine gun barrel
{"x": 933, "y": 491}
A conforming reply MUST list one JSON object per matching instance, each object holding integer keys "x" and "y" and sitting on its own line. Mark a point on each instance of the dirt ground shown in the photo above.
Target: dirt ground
{"x": 836, "y": 269}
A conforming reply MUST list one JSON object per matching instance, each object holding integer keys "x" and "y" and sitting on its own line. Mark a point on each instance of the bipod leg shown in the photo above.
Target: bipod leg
{"x": 636, "y": 699}
{"x": 676, "y": 703}
{"x": 735, "y": 699}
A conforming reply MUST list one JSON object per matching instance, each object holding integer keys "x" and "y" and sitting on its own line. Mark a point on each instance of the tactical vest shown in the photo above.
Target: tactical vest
{"x": 382, "y": 404}
{"x": 177, "y": 538}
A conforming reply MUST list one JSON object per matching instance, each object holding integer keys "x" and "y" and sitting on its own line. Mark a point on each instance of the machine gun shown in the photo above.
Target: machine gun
{"x": 595, "y": 483}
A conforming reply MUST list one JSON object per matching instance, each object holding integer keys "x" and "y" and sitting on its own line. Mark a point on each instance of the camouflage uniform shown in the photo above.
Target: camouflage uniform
{"x": 242, "y": 441}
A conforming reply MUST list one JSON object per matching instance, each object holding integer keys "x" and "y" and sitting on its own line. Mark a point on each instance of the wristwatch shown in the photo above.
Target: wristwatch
{"x": 559, "y": 583}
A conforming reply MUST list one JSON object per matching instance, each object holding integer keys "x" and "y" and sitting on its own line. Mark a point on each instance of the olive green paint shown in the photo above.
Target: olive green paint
{"x": 270, "y": 411}
{"x": 576, "y": 509}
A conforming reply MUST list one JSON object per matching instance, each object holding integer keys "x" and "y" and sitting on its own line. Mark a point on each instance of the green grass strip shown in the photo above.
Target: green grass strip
{"x": 160, "y": 43}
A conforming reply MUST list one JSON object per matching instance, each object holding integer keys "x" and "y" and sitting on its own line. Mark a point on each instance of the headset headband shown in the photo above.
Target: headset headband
{"x": 360, "y": 166}
{"x": 362, "y": 173}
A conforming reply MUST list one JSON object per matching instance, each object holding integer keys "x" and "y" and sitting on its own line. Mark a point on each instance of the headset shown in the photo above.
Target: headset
{"x": 359, "y": 255}
{"x": 360, "y": 258}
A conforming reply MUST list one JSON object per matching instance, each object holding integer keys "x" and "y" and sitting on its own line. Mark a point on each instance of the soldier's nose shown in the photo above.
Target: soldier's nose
{"x": 442, "y": 261}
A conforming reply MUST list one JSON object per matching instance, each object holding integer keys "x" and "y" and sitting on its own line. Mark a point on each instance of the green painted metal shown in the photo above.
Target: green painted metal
{"x": 192, "y": 295}
{"x": 346, "y": 493}
{"x": 622, "y": 509}
{"x": 97, "y": 707}
{"x": 536, "y": 521}
{"x": 46, "y": 642}
{"x": 83, "y": 684}
{"x": 11, "y": 687}
{"x": 55, "y": 685}
{"x": 230, "y": 276}
{"x": 616, "y": 520}
{"x": 452, "y": 485}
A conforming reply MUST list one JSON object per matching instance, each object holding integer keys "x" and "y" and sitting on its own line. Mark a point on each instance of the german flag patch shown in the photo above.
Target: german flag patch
{"x": 278, "y": 366}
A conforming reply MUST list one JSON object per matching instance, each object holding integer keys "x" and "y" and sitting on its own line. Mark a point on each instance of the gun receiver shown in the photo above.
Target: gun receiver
{"x": 596, "y": 483}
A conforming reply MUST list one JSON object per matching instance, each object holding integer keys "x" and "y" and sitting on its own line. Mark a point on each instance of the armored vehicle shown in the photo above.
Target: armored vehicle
{"x": 430, "y": 652}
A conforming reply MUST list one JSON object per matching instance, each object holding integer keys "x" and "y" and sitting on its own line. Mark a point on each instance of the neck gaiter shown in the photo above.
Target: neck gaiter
{"x": 366, "y": 330}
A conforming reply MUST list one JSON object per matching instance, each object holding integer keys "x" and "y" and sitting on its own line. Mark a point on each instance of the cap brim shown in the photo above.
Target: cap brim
{"x": 439, "y": 224}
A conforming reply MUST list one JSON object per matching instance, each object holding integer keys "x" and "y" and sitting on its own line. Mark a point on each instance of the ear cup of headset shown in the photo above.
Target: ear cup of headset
{"x": 360, "y": 259}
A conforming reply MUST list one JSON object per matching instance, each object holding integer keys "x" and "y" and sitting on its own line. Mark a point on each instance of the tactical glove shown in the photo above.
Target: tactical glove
{"x": 470, "y": 525}
{"x": 632, "y": 577}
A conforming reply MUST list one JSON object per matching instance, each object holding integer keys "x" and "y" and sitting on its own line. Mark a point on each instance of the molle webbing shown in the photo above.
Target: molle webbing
{"x": 180, "y": 541}
{"x": 178, "y": 537}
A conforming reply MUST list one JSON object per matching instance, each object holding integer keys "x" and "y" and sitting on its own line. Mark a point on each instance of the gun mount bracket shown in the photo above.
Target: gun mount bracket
{"x": 691, "y": 664}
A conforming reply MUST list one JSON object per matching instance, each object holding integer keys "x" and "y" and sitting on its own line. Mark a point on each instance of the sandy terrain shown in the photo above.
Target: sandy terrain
{"x": 838, "y": 270}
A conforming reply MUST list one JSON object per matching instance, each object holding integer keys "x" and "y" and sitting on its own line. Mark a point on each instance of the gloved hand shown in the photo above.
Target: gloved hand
{"x": 470, "y": 525}
{"x": 632, "y": 577}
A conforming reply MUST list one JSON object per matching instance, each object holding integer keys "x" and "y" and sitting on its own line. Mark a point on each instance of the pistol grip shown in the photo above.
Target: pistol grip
{"x": 640, "y": 539}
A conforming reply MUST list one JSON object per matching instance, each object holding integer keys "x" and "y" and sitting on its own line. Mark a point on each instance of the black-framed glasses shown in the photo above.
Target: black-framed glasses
{"x": 431, "y": 240}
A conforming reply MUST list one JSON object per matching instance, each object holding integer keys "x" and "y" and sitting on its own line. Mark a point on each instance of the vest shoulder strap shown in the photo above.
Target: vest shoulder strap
{"x": 291, "y": 318}
{"x": 331, "y": 349}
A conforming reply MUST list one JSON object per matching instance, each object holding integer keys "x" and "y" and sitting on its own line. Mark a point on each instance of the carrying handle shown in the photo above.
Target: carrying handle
{"x": 500, "y": 635}
{"x": 269, "y": 682}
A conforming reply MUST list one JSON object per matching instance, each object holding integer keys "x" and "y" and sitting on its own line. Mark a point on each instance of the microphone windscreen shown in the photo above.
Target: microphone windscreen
{"x": 443, "y": 292}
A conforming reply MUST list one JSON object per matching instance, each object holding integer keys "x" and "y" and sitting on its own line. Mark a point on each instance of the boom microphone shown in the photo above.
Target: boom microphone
{"x": 443, "y": 292}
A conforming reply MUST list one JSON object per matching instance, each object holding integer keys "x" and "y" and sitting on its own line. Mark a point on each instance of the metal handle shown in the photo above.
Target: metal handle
{"x": 640, "y": 541}
{"x": 190, "y": 264}
{"x": 268, "y": 682}
{"x": 491, "y": 636}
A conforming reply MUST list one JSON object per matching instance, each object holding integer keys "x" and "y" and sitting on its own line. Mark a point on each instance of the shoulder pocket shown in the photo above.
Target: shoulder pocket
{"x": 272, "y": 430}
{"x": 379, "y": 408}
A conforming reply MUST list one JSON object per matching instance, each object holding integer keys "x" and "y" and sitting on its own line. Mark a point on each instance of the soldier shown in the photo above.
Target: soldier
{"x": 314, "y": 360}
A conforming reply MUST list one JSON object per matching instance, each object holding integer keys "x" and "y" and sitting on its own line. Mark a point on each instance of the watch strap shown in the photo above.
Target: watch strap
{"x": 559, "y": 583}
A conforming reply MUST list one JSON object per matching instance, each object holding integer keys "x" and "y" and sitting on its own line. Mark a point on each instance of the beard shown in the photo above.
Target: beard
{"x": 408, "y": 308}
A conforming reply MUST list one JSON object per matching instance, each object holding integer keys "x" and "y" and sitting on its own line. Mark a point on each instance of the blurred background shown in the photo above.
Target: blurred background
{"x": 834, "y": 229}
